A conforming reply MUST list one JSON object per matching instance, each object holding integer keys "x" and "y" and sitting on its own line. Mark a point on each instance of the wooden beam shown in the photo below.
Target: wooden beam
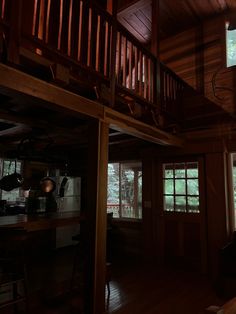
{"x": 16, "y": 81}
{"x": 19, "y": 84}
{"x": 97, "y": 216}
{"x": 128, "y": 125}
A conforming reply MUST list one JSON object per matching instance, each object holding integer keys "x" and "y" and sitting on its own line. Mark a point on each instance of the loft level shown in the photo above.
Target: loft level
{"x": 84, "y": 49}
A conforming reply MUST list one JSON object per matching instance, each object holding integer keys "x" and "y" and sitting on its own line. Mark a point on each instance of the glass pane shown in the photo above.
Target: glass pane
{"x": 113, "y": 199}
{"x": 179, "y": 171}
{"x": 180, "y": 187}
{"x": 231, "y": 47}
{"x": 127, "y": 192}
{"x": 169, "y": 203}
{"x": 9, "y": 168}
{"x": 193, "y": 204}
{"x": 169, "y": 187}
{"x": 180, "y": 204}
{"x": 192, "y": 170}
{"x": 168, "y": 171}
{"x": 131, "y": 190}
{"x": 193, "y": 188}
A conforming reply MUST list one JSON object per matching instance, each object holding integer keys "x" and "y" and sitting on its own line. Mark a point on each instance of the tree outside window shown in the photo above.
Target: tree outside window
{"x": 181, "y": 187}
{"x": 124, "y": 194}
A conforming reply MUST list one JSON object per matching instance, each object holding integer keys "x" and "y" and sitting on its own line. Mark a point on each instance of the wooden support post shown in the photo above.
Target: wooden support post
{"x": 215, "y": 165}
{"x": 96, "y": 214}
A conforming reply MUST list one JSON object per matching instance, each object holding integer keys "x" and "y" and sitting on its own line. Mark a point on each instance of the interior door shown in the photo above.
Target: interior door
{"x": 181, "y": 213}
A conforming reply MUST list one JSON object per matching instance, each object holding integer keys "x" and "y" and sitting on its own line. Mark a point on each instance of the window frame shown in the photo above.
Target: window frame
{"x": 2, "y": 160}
{"x": 121, "y": 217}
{"x": 201, "y": 189}
{"x": 226, "y": 22}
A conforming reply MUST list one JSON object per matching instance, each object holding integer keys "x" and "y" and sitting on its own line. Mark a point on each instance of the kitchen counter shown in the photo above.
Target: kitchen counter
{"x": 42, "y": 221}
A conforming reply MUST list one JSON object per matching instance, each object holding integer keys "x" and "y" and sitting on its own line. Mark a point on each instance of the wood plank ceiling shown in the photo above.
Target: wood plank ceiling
{"x": 175, "y": 16}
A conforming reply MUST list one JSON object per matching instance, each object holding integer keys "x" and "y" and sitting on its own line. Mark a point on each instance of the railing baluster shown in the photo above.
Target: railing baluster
{"x": 3, "y": 9}
{"x": 106, "y": 49}
{"x": 145, "y": 76}
{"x": 136, "y": 69}
{"x": 47, "y": 21}
{"x": 97, "y": 64}
{"x": 60, "y": 25}
{"x": 124, "y": 53}
{"x": 69, "y": 28}
{"x": 140, "y": 73}
{"x": 118, "y": 58}
{"x": 130, "y": 65}
{"x": 80, "y": 30}
{"x": 34, "y": 18}
{"x": 41, "y": 20}
{"x": 149, "y": 79}
{"x": 89, "y": 37}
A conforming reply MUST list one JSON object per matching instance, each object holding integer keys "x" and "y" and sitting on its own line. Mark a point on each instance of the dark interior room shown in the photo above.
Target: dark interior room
{"x": 117, "y": 156}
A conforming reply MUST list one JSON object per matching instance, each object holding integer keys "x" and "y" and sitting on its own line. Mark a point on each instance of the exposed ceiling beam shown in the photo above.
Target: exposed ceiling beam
{"x": 17, "y": 83}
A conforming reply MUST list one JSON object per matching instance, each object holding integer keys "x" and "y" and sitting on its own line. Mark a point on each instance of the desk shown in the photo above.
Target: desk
{"x": 42, "y": 221}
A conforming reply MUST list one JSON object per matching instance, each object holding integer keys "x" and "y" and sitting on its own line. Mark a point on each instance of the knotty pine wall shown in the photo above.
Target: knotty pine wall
{"x": 197, "y": 56}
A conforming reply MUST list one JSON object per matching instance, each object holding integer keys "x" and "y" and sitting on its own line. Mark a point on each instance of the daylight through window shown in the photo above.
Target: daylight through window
{"x": 181, "y": 187}
{"x": 124, "y": 193}
{"x": 230, "y": 46}
{"x": 8, "y": 167}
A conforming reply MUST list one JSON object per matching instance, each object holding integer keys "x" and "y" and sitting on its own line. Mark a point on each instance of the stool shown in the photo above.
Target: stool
{"x": 13, "y": 277}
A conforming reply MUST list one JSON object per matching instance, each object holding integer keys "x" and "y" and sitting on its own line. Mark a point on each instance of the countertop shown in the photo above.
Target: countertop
{"x": 42, "y": 221}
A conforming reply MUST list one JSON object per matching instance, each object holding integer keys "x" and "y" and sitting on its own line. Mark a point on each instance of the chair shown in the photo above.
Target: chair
{"x": 13, "y": 276}
{"x": 108, "y": 278}
{"x": 78, "y": 246}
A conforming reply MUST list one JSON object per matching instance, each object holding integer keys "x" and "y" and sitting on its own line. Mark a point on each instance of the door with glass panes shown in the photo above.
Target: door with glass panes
{"x": 182, "y": 215}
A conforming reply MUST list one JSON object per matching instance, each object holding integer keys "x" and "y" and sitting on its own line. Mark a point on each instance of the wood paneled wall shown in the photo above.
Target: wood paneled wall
{"x": 198, "y": 57}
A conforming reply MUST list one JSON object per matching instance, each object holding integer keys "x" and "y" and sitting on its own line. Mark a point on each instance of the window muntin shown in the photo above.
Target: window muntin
{"x": 181, "y": 187}
{"x": 124, "y": 191}
{"x": 230, "y": 46}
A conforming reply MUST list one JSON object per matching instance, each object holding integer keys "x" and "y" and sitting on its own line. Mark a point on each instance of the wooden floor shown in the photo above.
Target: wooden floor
{"x": 139, "y": 289}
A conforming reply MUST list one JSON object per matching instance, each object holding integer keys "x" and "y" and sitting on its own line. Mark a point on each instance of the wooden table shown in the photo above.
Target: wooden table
{"x": 42, "y": 221}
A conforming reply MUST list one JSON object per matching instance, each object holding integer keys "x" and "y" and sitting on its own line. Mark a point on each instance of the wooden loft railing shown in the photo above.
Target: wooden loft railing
{"x": 94, "y": 48}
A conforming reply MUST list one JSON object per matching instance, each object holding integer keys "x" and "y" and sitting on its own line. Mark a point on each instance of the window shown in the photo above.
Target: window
{"x": 230, "y": 46}
{"x": 8, "y": 167}
{"x": 181, "y": 187}
{"x": 124, "y": 193}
